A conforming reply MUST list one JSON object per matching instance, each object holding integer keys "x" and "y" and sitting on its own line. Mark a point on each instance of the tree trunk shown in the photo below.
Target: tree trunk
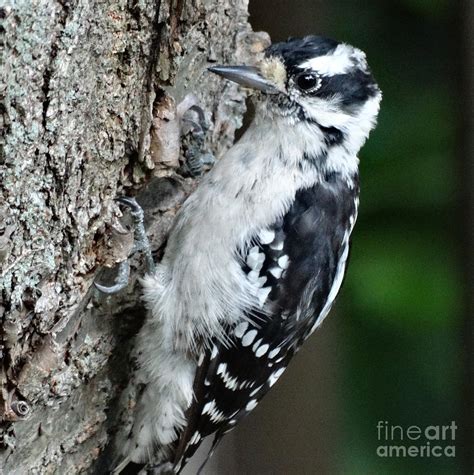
{"x": 89, "y": 98}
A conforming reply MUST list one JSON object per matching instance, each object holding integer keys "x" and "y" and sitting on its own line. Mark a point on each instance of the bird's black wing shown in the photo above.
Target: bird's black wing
{"x": 295, "y": 262}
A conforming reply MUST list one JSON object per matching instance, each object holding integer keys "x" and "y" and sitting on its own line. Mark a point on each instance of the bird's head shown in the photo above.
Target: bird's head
{"x": 312, "y": 79}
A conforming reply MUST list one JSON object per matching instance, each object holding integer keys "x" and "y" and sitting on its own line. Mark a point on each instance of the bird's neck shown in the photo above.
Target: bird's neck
{"x": 312, "y": 150}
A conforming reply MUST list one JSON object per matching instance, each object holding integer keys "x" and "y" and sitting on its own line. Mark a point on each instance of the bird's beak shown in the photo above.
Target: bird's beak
{"x": 247, "y": 76}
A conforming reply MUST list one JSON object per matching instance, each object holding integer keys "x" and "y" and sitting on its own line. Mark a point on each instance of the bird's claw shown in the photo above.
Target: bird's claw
{"x": 193, "y": 131}
{"x": 120, "y": 282}
{"x": 131, "y": 203}
{"x": 141, "y": 244}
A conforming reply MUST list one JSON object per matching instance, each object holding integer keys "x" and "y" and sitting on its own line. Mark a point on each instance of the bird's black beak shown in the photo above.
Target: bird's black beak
{"x": 247, "y": 76}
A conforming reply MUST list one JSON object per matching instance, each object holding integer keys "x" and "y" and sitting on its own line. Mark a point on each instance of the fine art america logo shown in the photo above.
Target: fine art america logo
{"x": 416, "y": 441}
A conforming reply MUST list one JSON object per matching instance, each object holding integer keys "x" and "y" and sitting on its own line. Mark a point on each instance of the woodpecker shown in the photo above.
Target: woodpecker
{"x": 257, "y": 253}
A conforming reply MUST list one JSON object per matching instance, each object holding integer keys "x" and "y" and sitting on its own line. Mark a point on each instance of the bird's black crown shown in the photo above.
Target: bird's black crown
{"x": 295, "y": 51}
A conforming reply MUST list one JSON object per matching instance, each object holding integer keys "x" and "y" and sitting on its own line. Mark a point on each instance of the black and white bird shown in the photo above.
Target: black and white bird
{"x": 257, "y": 253}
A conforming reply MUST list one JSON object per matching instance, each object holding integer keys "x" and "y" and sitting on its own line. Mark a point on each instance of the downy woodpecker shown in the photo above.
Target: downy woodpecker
{"x": 257, "y": 253}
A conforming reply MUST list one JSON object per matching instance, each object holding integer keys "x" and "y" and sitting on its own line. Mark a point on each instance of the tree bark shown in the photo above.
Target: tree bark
{"x": 89, "y": 91}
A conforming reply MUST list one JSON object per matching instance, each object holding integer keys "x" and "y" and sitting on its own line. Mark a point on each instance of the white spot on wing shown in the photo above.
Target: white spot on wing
{"x": 249, "y": 337}
{"x": 277, "y": 246}
{"x": 252, "y": 404}
{"x": 195, "y": 438}
{"x": 283, "y": 262}
{"x": 230, "y": 382}
{"x": 276, "y": 272}
{"x": 266, "y": 236}
{"x": 274, "y": 376}
{"x": 256, "y": 344}
{"x": 274, "y": 352}
{"x": 208, "y": 407}
{"x": 255, "y": 391}
{"x": 240, "y": 329}
{"x": 214, "y": 414}
{"x": 217, "y": 416}
{"x": 261, "y": 350}
{"x": 246, "y": 384}
{"x": 255, "y": 258}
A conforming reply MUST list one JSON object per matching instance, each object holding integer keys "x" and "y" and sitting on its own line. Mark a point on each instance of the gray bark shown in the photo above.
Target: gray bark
{"x": 89, "y": 91}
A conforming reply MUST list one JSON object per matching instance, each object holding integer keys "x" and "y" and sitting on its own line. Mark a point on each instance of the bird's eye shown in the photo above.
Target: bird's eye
{"x": 307, "y": 82}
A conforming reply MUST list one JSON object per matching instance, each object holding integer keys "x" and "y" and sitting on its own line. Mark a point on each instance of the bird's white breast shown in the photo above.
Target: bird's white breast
{"x": 200, "y": 280}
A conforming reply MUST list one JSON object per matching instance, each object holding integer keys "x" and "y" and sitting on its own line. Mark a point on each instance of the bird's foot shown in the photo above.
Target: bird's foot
{"x": 141, "y": 244}
{"x": 194, "y": 128}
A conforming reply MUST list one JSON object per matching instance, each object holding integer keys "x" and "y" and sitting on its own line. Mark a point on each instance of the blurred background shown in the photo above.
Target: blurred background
{"x": 398, "y": 345}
